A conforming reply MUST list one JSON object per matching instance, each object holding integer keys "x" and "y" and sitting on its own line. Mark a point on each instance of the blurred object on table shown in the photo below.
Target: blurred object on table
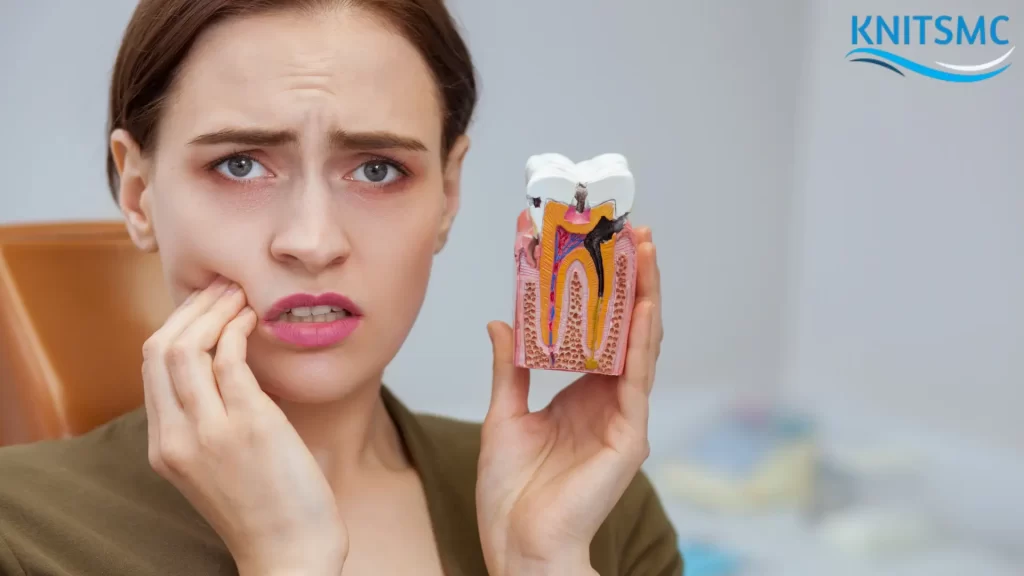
{"x": 883, "y": 515}
{"x": 753, "y": 457}
{"x": 834, "y": 489}
{"x": 703, "y": 558}
{"x": 877, "y": 533}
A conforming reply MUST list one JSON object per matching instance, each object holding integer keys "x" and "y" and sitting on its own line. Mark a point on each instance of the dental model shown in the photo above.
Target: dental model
{"x": 575, "y": 265}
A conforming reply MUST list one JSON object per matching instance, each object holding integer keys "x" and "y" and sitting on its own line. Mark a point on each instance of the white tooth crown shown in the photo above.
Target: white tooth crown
{"x": 554, "y": 177}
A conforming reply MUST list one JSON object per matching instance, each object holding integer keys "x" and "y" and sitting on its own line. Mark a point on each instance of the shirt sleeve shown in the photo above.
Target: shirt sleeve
{"x": 652, "y": 545}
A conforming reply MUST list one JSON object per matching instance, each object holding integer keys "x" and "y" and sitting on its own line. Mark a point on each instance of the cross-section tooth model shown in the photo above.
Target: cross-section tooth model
{"x": 575, "y": 265}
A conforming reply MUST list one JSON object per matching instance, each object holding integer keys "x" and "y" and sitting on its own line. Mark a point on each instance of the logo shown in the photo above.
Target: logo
{"x": 877, "y": 38}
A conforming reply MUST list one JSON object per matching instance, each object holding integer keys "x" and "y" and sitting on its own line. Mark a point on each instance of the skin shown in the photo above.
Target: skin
{"x": 288, "y": 452}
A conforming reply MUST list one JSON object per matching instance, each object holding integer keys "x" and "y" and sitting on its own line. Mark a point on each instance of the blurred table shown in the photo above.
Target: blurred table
{"x": 977, "y": 484}
{"x": 782, "y": 544}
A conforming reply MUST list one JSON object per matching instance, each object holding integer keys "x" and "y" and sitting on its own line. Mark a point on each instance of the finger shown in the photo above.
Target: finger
{"x": 634, "y": 384}
{"x": 658, "y": 331}
{"x": 235, "y": 380}
{"x": 641, "y": 235}
{"x": 511, "y": 385}
{"x": 190, "y": 362}
{"x": 649, "y": 289}
{"x": 158, "y": 387}
{"x": 647, "y": 281}
{"x": 193, "y": 307}
{"x": 654, "y": 293}
{"x": 152, "y": 417}
{"x": 165, "y": 418}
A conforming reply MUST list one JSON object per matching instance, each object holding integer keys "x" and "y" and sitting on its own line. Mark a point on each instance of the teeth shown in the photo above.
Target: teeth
{"x": 314, "y": 314}
{"x": 553, "y": 178}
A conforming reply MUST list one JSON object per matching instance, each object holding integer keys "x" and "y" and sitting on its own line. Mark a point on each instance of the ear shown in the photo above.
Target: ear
{"x": 452, "y": 189}
{"x": 133, "y": 193}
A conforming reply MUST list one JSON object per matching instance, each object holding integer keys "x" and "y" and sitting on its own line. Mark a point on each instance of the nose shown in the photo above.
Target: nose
{"x": 310, "y": 236}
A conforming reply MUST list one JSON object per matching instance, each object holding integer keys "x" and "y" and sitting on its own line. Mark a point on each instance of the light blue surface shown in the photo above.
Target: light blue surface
{"x": 738, "y": 443}
{"x": 702, "y": 559}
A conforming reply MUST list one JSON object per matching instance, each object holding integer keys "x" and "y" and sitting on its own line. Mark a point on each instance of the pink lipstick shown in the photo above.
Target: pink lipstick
{"x": 312, "y": 321}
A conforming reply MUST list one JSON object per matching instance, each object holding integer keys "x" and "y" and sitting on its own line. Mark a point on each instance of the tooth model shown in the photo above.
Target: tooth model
{"x": 575, "y": 265}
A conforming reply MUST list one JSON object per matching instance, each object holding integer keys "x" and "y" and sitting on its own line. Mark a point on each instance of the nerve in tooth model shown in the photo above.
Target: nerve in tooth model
{"x": 575, "y": 265}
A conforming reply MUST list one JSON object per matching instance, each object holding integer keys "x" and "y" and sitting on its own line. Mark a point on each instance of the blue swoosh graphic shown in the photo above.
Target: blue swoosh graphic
{"x": 878, "y": 62}
{"x": 925, "y": 70}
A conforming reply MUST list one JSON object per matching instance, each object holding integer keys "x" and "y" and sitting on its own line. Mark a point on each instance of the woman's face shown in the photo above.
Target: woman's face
{"x": 301, "y": 154}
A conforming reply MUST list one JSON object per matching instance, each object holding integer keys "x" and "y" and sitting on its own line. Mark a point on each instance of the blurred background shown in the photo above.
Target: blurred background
{"x": 842, "y": 255}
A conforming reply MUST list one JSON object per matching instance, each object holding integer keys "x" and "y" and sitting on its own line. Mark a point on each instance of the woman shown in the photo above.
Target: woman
{"x": 297, "y": 165}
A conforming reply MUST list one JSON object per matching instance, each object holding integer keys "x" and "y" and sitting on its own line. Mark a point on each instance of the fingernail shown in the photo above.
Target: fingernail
{"x": 232, "y": 288}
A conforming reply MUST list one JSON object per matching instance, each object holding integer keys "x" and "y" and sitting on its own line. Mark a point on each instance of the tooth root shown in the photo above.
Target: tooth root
{"x": 553, "y": 178}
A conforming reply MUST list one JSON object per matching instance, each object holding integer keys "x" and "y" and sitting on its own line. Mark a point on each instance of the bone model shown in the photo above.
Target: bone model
{"x": 575, "y": 264}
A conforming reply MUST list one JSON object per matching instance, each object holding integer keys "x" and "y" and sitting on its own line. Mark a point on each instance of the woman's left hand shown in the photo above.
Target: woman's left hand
{"x": 548, "y": 479}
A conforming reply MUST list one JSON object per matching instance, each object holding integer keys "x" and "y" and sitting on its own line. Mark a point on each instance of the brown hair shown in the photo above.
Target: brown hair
{"x": 161, "y": 32}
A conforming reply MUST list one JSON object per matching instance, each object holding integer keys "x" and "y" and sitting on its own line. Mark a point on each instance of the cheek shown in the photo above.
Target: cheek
{"x": 198, "y": 241}
{"x": 399, "y": 249}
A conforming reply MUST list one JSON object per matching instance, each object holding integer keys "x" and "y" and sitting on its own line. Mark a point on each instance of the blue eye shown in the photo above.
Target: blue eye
{"x": 377, "y": 172}
{"x": 241, "y": 168}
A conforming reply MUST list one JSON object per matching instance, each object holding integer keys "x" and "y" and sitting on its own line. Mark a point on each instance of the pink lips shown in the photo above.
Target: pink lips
{"x": 312, "y": 334}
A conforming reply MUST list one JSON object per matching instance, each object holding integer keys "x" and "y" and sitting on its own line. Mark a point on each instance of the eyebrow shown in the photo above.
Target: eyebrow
{"x": 374, "y": 141}
{"x": 340, "y": 139}
{"x": 248, "y": 137}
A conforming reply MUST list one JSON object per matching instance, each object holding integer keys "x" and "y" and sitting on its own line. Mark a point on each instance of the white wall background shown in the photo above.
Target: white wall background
{"x": 908, "y": 291}
{"x": 55, "y": 63}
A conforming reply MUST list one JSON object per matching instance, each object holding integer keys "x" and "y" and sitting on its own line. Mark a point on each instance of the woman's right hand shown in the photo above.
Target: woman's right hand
{"x": 229, "y": 449}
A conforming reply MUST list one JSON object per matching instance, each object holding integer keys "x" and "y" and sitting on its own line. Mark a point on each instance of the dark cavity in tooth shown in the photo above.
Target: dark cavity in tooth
{"x": 603, "y": 231}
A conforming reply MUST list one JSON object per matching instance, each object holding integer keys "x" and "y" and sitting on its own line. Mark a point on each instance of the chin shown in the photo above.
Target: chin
{"x": 309, "y": 377}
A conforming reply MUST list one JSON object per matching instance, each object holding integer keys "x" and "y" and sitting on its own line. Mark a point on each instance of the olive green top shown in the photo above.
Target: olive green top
{"x": 92, "y": 505}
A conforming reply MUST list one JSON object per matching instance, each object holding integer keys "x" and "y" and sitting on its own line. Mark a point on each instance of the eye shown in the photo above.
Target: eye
{"x": 377, "y": 172}
{"x": 241, "y": 168}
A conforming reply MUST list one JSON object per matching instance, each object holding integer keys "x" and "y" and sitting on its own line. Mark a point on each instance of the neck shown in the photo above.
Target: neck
{"x": 350, "y": 436}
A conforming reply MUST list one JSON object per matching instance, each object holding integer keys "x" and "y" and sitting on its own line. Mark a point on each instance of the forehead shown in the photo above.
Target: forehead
{"x": 339, "y": 69}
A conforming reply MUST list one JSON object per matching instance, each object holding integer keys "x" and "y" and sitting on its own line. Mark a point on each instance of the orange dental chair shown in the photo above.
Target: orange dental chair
{"x": 77, "y": 300}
